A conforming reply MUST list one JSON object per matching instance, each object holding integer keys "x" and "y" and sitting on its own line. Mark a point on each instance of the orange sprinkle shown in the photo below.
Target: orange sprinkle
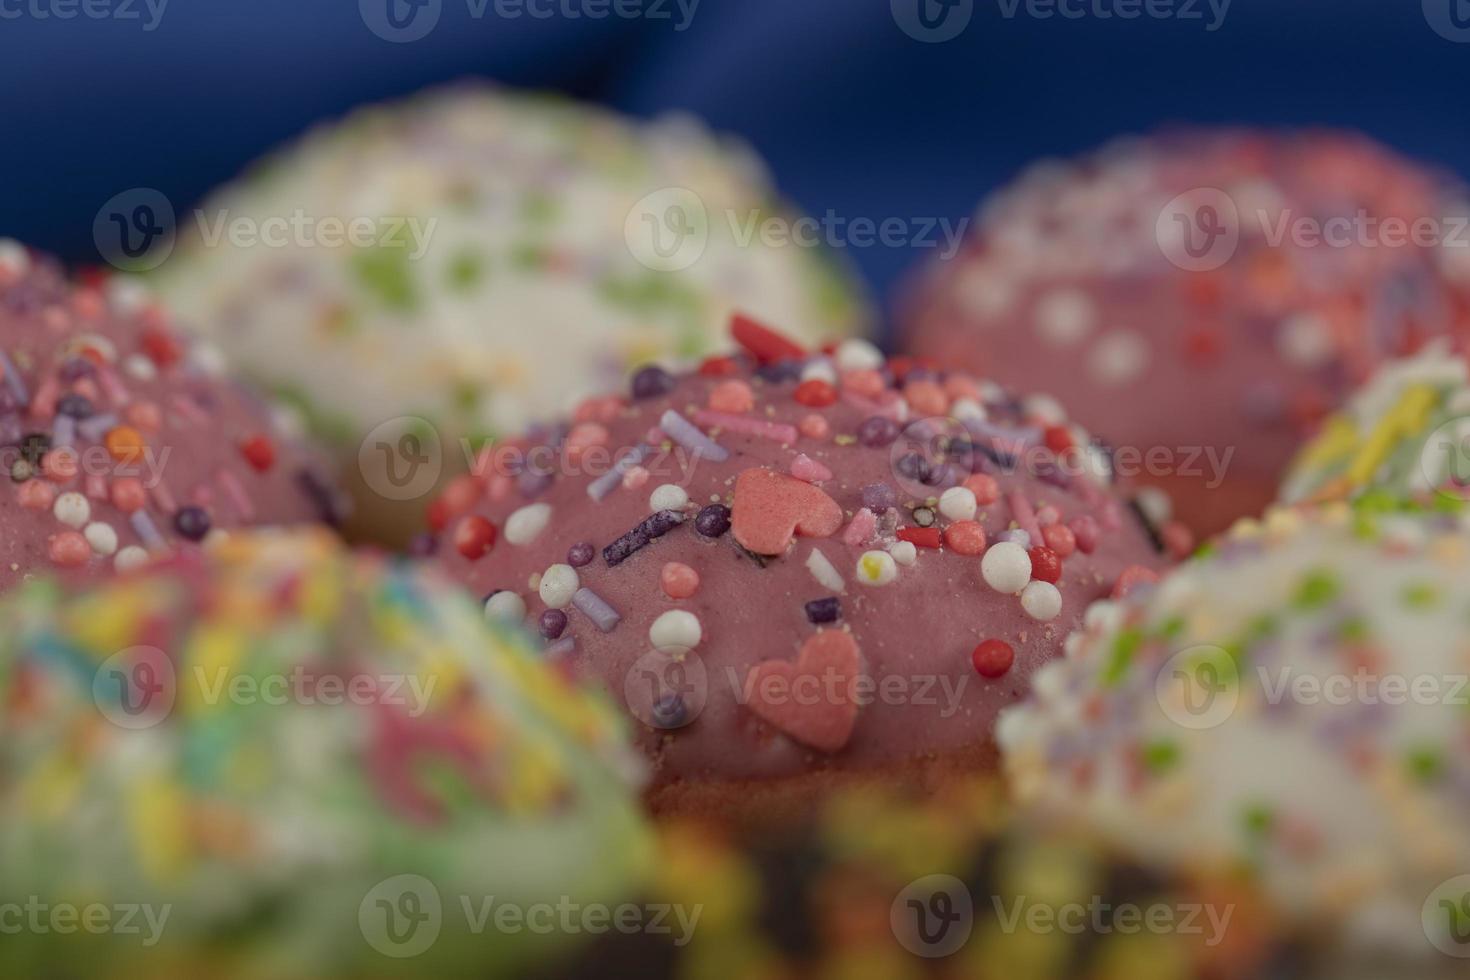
{"x": 124, "y": 443}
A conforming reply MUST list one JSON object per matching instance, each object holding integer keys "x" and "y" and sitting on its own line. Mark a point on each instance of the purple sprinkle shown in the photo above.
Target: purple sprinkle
{"x": 423, "y": 545}
{"x": 11, "y": 431}
{"x": 64, "y": 433}
{"x": 877, "y": 432}
{"x": 669, "y": 711}
{"x": 192, "y": 522}
{"x": 75, "y": 405}
{"x": 580, "y": 554}
{"x": 592, "y": 605}
{"x": 147, "y": 530}
{"x": 532, "y": 482}
{"x": 97, "y": 426}
{"x": 712, "y": 521}
{"x": 826, "y": 610}
{"x": 605, "y": 484}
{"x": 1015, "y": 536}
{"x": 652, "y": 381}
{"x": 553, "y": 623}
{"x": 13, "y": 380}
{"x": 75, "y": 369}
{"x": 780, "y": 372}
{"x": 879, "y": 497}
{"x": 653, "y": 526}
{"x": 561, "y": 647}
{"x": 688, "y": 435}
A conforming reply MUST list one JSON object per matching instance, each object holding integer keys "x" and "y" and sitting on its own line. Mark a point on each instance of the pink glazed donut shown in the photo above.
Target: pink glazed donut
{"x": 799, "y": 569}
{"x": 121, "y": 442}
{"x": 1202, "y": 296}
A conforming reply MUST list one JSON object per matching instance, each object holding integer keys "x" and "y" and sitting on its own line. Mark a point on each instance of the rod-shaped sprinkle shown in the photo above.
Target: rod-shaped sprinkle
{"x": 595, "y": 608}
{"x": 687, "y": 434}
{"x": 605, "y": 484}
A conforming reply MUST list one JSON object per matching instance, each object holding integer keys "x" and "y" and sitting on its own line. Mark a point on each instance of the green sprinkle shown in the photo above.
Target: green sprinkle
{"x": 1125, "y": 646}
{"x": 1258, "y": 819}
{"x": 386, "y": 274}
{"x": 466, "y": 270}
{"x": 1426, "y": 765}
{"x": 1318, "y": 589}
{"x": 1161, "y": 756}
{"x": 1420, "y": 595}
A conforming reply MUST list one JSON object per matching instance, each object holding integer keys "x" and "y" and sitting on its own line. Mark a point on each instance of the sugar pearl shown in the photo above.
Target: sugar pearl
{"x": 72, "y": 509}
{"x": 558, "y": 584}
{"x": 526, "y": 524}
{"x": 958, "y": 504}
{"x": 101, "y": 537}
{"x": 1042, "y": 601}
{"x": 676, "y": 629}
{"x": 904, "y": 552}
{"x": 129, "y": 558}
{"x": 819, "y": 369}
{"x": 505, "y": 606}
{"x": 1006, "y": 567}
{"x": 858, "y": 355}
{"x": 668, "y": 497}
{"x": 876, "y": 568}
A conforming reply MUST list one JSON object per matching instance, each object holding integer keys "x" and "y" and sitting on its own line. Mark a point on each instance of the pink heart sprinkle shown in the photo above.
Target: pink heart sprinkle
{"x": 771, "y": 508}
{"x": 811, "y": 700}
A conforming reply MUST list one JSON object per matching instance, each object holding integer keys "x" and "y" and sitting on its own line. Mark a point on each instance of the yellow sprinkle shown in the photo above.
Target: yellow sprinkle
{"x": 156, "y": 810}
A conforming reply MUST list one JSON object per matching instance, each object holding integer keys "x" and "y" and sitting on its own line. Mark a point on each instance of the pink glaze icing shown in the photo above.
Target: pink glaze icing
{"x": 749, "y": 613}
{"x": 1077, "y": 284}
{"x": 120, "y": 441}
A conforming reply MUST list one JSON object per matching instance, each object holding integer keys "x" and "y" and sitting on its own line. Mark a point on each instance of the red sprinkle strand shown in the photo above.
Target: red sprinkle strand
{"x": 764, "y": 343}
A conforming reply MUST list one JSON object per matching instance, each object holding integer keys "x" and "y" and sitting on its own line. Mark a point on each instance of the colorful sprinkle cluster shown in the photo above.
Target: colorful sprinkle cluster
{"x": 1214, "y": 288}
{"x": 831, "y": 899}
{"x": 120, "y": 442}
{"x": 511, "y": 263}
{"x": 260, "y": 736}
{"x": 1290, "y": 706}
{"x": 1405, "y": 436}
{"x": 752, "y": 511}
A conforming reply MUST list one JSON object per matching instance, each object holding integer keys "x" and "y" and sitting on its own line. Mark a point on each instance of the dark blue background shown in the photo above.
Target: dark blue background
{"x": 853, "y": 114}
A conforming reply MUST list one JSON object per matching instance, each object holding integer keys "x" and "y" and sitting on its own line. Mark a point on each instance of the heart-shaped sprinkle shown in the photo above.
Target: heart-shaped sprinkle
{"x": 770, "y": 508}
{"x": 812, "y": 700}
